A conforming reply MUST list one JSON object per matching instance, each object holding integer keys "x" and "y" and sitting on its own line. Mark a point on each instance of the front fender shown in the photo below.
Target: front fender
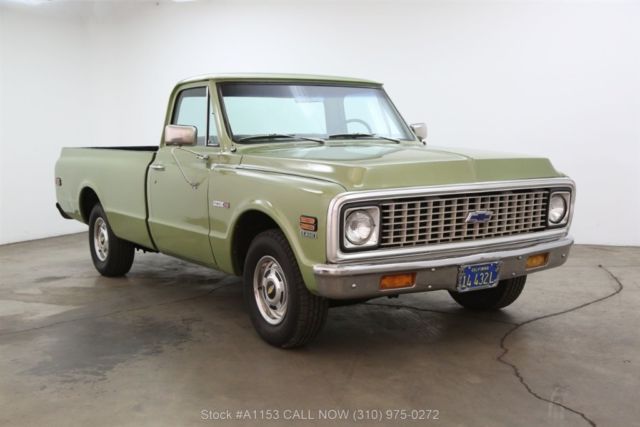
{"x": 284, "y": 198}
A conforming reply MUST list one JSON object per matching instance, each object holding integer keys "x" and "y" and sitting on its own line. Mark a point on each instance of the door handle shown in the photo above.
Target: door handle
{"x": 157, "y": 166}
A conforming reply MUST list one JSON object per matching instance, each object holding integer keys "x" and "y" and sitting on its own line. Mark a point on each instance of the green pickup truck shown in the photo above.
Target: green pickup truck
{"x": 317, "y": 193}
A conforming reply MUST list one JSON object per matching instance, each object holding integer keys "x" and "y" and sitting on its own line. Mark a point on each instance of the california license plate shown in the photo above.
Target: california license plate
{"x": 478, "y": 276}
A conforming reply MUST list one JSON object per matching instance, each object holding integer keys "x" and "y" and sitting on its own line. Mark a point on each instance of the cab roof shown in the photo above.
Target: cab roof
{"x": 261, "y": 77}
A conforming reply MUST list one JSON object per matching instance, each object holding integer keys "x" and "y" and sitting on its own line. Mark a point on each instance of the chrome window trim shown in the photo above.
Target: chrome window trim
{"x": 334, "y": 254}
{"x": 175, "y": 110}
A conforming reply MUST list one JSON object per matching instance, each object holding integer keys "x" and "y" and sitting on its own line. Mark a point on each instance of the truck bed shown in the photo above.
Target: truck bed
{"x": 118, "y": 175}
{"x": 126, "y": 148}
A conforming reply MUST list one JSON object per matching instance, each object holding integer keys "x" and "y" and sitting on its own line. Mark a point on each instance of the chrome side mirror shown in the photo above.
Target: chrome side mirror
{"x": 420, "y": 130}
{"x": 180, "y": 135}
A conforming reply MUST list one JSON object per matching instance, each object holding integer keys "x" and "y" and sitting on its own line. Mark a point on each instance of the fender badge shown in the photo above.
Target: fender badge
{"x": 221, "y": 204}
{"x": 309, "y": 234}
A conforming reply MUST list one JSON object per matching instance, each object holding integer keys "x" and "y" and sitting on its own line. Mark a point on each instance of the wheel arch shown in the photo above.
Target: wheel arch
{"x": 247, "y": 225}
{"x": 87, "y": 200}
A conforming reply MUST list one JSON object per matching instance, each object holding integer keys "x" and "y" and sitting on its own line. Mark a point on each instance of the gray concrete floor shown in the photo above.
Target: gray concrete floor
{"x": 171, "y": 339}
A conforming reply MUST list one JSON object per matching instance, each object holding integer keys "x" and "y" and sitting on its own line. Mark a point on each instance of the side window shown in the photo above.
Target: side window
{"x": 192, "y": 109}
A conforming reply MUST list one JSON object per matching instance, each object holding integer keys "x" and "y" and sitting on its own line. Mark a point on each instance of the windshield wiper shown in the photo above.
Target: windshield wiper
{"x": 279, "y": 135}
{"x": 362, "y": 135}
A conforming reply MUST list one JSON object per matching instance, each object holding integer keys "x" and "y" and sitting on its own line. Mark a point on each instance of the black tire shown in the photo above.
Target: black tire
{"x": 304, "y": 314}
{"x": 118, "y": 258}
{"x": 505, "y": 293}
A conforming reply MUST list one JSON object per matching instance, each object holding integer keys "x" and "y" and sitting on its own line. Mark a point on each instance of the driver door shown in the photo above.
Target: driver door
{"x": 178, "y": 183}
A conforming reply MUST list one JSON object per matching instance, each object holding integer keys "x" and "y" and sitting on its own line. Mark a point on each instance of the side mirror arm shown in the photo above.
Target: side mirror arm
{"x": 199, "y": 156}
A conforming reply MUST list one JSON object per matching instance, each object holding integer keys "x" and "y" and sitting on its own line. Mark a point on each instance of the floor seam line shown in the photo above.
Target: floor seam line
{"x": 516, "y": 370}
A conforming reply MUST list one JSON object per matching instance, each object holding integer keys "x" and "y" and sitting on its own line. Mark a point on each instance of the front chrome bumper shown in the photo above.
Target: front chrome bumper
{"x": 362, "y": 280}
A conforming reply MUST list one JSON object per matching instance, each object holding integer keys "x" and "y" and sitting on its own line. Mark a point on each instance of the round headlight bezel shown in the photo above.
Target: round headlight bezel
{"x": 563, "y": 199}
{"x": 369, "y": 214}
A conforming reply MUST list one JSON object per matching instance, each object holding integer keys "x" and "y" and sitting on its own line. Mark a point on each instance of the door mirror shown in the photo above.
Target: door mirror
{"x": 180, "y": 135}
{"x": 420, "y": 129}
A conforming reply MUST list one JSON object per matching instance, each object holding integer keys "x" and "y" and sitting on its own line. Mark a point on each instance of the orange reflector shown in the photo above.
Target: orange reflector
{"x": 537, "y": 260}
{"x": 395, "y": 281}
{"x": 308, "y": 223}
{"x": 308, "y": 219}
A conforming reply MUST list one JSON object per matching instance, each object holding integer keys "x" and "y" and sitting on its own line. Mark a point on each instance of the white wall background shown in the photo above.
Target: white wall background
{"x": 552, "y": 78}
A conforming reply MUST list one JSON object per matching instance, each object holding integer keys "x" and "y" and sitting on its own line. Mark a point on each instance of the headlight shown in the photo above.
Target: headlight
{"x": 361, "y": 227}
{"x": 559, "y": 207}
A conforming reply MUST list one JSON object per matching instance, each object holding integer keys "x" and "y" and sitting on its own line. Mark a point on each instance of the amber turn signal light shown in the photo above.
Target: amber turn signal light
{"x": 395, "y": 281}
{"x": 308, "y": 223}
{"x": 537, "y": 260}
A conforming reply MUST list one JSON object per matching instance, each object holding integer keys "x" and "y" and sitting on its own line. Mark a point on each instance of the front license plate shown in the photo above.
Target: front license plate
{"x": 478, "y": 276}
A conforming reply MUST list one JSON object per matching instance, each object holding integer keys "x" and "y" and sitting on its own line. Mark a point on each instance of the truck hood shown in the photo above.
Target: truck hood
{"x": 364, "y": 166}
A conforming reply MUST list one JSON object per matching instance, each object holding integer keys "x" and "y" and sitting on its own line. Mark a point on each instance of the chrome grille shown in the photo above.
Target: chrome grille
{"x": 429, "y": 220}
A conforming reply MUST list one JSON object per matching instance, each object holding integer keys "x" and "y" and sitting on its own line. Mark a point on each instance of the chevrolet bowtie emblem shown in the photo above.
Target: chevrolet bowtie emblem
{"x": 478, "y": 217}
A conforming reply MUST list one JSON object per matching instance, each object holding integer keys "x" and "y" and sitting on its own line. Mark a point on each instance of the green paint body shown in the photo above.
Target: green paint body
{"x": 283, "y": 180}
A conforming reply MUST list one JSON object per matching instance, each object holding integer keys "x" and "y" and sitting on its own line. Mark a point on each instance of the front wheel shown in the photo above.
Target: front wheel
{"x": 111, "y": 256}
{"x": 505, "y": 293}
{"x": 282, "y": 310}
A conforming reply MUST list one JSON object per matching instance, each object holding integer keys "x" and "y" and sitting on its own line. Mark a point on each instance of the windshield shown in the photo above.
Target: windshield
{"x": 269, "y": 111}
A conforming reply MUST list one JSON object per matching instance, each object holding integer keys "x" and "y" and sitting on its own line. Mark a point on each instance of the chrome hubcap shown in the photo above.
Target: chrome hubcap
{"x": 270, "y": 290}
{"x": 101, "y": 239}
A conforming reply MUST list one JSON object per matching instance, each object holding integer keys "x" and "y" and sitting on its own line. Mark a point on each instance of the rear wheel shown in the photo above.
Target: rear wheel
{"x": 282, "y": 310}
{"x": 111, "y": 256}
{"x": 504, "y": 294}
